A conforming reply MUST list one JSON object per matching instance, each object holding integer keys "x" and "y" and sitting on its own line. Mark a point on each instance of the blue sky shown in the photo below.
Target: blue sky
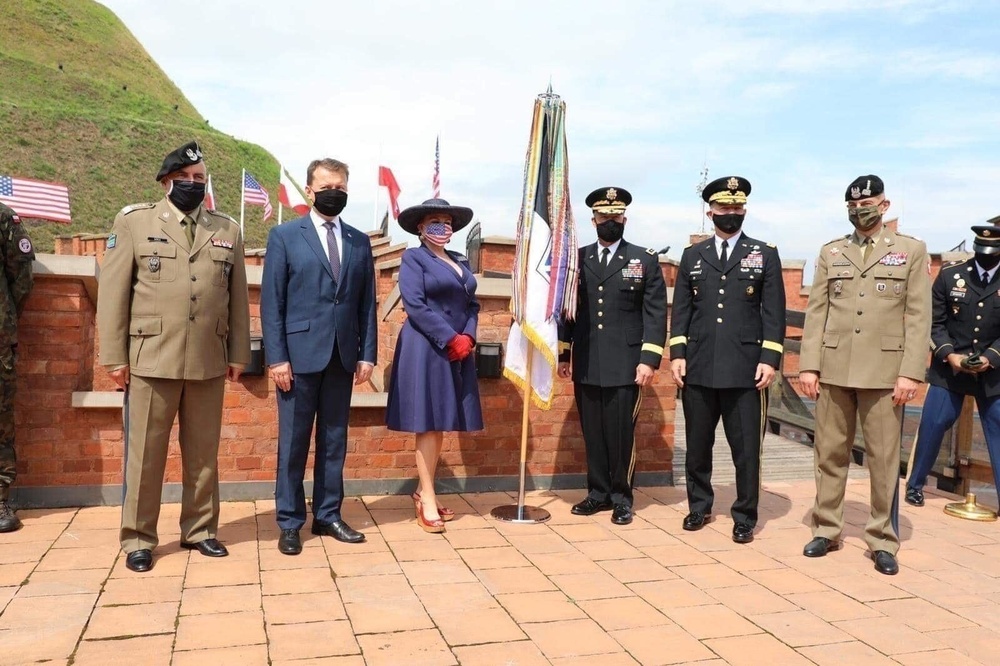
{"x": 799, "y": 97}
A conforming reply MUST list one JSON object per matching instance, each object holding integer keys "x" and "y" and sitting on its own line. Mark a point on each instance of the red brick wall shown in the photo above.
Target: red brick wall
{"x": 59, "y": 445}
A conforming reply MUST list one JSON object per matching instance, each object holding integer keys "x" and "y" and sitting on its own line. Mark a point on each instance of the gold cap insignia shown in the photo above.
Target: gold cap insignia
{"x": 986, "y": 233}
{"x": 611, "y": 194}
{"x": 733, "y": 184}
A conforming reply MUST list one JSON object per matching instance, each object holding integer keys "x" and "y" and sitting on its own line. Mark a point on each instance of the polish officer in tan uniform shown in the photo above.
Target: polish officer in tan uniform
{"x": 174, "y": 323}
{"x": 864, "y": 352}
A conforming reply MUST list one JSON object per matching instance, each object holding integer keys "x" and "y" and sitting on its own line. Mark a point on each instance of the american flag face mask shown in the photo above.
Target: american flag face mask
{"x": 438, "y": 233}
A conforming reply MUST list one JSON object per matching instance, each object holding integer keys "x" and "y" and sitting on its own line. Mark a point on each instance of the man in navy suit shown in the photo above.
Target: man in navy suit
{"x": 317, "y": 310}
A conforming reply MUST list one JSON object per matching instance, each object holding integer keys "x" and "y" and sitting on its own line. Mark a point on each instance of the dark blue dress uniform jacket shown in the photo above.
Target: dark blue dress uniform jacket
{"x": 965, "y": 319}
{"x": 726, "y": 321}
{"x": 621, "y": 316}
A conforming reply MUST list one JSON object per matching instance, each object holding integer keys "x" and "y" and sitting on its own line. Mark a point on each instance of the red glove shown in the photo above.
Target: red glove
{"x": 459, "y": 347}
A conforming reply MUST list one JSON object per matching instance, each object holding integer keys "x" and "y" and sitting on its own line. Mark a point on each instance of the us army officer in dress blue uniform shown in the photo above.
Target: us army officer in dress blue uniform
{"x": 433, "y": 388}
{"x": 616, "y": 344}
{"x": 726, "y": 336}
{"x": 173, "y": 318}
{"x": 965, "y": 335}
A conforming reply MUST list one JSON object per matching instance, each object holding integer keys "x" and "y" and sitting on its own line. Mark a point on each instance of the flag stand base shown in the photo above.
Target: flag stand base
{"x": 524, "y": 515}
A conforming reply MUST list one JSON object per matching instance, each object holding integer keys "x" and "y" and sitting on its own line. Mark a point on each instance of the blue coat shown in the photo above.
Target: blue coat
{"x": 427, "y": 392}
{"x": 302, "y": 309}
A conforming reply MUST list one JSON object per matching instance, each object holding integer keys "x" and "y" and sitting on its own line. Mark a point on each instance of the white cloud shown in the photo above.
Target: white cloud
{"x": 768, "y": 88}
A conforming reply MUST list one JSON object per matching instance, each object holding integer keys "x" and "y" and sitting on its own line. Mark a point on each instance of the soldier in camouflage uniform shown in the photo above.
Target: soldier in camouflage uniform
{"x": 16, "y": 255}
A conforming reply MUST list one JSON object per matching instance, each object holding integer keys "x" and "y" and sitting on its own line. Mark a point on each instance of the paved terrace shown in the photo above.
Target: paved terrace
{"x": 572, "y": 591}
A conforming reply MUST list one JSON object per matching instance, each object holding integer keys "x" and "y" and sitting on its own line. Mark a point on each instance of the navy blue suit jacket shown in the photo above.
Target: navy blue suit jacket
{"x": 303, "y": 309}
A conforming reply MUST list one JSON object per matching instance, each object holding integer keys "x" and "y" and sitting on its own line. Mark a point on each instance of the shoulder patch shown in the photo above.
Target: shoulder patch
{"x": 15, "y": 219}
{"x": 651, "y": 251}
{"x": 134, "y": 207}
{"x": 24, "y": 245}
{"x": 112, "y": 241}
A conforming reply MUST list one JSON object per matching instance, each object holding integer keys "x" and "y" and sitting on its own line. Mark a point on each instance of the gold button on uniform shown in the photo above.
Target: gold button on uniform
{"x": 600, "y": 288}
{"x": 600, "y": 326}
{"x": 719, "y": 320}
{"x": 600, "y": 301}
{"x": 600, "y": 314}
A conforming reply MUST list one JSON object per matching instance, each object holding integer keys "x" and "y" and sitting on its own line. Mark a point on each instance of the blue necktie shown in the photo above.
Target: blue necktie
{"x": 331, "y": 244}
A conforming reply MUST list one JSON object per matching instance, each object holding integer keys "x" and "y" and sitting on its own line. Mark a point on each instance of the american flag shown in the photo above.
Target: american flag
{"x": 35, "y": 198}
{"x": 255, "y": 195}
{"x": 436, "y": 183}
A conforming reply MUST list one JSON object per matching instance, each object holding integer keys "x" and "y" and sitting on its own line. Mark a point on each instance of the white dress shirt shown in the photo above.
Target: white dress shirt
{"x": 613, "y": 248}
{"x": 730, "y": 246}
{"x": 989, "y": 274}
{"x": 318, "y": 222}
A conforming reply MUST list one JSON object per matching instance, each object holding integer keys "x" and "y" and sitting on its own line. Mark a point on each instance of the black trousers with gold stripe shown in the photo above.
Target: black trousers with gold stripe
{"x": 743, "y": 413}
{"x": 607, "y": 416}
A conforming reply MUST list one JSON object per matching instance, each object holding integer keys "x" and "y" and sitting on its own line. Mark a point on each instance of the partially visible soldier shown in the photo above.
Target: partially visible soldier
{"x": 16, "y": 254}
{"x": 174, "y": 323}
{"x": 726, "y": 339}
{"x": 864, "y": 348}
{"x": 965, "y": 335}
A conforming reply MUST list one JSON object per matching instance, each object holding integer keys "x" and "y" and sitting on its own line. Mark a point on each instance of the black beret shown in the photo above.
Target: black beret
{"x": 609, "y": 200}
{"x": 184, "y": 156}
{"x": 987, "y": 239}
{"x": 864, "y": 187}
{"x": 728, "y": 191}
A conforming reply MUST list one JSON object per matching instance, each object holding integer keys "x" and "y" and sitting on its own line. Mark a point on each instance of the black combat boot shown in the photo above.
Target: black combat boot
{"x": 9, "y": 522}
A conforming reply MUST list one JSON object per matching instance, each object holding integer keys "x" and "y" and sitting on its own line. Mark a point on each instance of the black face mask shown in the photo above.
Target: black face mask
{"x": 729, "y": 223}
{"x": 330, "y": 202}
{"x": 610, "y": 231}
{"x": 186, "y": 194}
{"x": 987, "y": 261}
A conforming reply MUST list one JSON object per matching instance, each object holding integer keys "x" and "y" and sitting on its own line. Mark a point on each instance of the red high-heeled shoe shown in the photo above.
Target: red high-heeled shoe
{"x": 432, "y": 526}
{"x": 446, "y": 513}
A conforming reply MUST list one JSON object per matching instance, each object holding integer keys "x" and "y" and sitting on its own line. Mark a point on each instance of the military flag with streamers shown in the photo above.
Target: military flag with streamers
{"x": 545, "y": 262}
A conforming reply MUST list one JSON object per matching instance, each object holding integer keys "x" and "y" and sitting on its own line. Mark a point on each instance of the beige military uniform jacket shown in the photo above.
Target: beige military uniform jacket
{"x": 868, "y": 322}
{"x": 168, "y": 311}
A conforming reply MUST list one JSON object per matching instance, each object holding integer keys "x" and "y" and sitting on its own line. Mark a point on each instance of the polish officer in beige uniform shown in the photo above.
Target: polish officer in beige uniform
{"x": 174, "y": 323}
{"x": 864, "y": 352}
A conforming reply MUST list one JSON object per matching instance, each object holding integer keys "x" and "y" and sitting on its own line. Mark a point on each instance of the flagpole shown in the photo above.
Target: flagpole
{"x": 524, "y": 434}
{"x": 280, "y": 170}
{"x": 243, "y": 200}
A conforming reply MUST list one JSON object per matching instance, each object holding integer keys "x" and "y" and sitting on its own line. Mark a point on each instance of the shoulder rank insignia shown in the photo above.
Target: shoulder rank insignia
{"x": 772, "y": 245}
{"x": 134, "y": 207}
{"x": 650, "y": 251}
{"x": 222, "y": 215}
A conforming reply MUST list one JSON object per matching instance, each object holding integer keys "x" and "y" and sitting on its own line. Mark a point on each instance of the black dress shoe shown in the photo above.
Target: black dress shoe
{"x": 742, "y": 533}
{"x": 820, "y": 546}
{"x": 339, "y": 530}
{"x": 589, "y": 507}
{"x": 289, "y": 542}
{"x": 885, "y": 563}
{"x": 140, "y": 560}
{"x": 914, "y": 497}
{"x": 207, "y": 547}
{"x": 622, "y": 514}
{"x": 694, "y": 521}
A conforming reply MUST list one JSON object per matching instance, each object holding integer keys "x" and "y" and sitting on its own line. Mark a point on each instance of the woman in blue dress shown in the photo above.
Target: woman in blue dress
{"x": 433, "y": 387}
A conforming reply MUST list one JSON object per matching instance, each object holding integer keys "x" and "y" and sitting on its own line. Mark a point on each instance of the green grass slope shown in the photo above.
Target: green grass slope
{"x": 82, "y": 103}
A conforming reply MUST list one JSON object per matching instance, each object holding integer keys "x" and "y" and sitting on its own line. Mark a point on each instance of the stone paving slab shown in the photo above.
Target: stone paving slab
{"x": 571, "y": 592}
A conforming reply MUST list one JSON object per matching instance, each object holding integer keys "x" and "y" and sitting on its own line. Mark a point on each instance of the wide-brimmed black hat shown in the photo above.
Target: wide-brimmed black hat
{"x": 410, "y": 218}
